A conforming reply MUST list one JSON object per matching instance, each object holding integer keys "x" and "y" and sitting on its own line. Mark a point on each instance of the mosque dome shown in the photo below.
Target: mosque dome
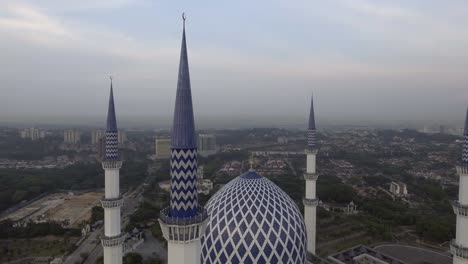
{"x": 251, "y": 220}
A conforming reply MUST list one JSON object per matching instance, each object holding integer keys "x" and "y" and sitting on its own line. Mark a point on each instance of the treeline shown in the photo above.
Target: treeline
{"x": 29, "y": 230}
{"x": 331, "y": 189}
{"x": 134, "y": 258}
{"x": 14, "y": 147}
{"x": 20, "y": 185}
{"x": 213, "y": 163}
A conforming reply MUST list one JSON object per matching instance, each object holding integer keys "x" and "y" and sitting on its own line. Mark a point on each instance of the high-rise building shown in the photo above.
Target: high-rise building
{"x": 122, "y": 137}
{"x": 442, "y": 129}
{"x": 113, "y": 239}
{"x": 71, "y": 136}
{"x": 162, "y": 147}
{"x": 459, "y": 246}
{"x": 32, "y": 133}
{"x": 96, "y": 135}
{"x": 310, "y": 200}
{"x": 101, "y": 148}
{"x": 183, "y": 222}
{"x": 398, "y": 188}
{"x": 207, "y": 144}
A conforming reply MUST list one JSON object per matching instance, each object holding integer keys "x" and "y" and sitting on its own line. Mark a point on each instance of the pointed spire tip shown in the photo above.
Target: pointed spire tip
{"x": 184, "y": 18}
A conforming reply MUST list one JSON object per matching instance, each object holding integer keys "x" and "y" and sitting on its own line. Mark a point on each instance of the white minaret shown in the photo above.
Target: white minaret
{"x": 459, "y": 246}
{"x": 310, "y": 200}
{"x": 184, "y": 221}
{"x": 113, "y": 239}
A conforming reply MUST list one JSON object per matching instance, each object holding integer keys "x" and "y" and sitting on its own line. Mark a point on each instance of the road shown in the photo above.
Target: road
{"x": 85, "y": 247}
{"x": 92, "y": 244}
{"x": 415, "y": 255}
{"x": 152, "y": 248}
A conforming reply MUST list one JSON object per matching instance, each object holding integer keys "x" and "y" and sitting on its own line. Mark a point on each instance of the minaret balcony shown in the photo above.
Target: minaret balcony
{"x": 310, "y": 202}
{"x": 458, "y": 250}
{"x": 113, "y": 241}
{"x": 311, "y": 151}
{"x": 112, "y": 203}
{"x": 183, "y": 230}
{"x": 112, "y": 164}
{"x": 462, "y": 170}
{"x": 460, "y": 209}
{"x": 311, "y": 176}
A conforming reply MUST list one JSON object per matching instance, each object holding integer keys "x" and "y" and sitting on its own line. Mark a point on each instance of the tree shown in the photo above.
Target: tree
{"x": 97, "y": 213}
{"x": 99, "y": 260}
{"x": 133, "y": 258}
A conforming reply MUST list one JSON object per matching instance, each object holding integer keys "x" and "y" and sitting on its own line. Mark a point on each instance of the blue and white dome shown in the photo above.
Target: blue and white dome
{"x": 251, "y": 220}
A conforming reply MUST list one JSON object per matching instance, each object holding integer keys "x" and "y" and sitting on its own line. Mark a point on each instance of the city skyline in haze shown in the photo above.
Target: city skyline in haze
{"x": 386, "y": 61}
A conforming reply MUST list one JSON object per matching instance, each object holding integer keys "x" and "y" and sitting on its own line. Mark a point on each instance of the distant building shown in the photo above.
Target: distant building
{"x": 71, "y": 136}
{"x": 398, "y": 188}
{"x": 207, "y": 144}
{"x": 204, "y": 186}
{"x": 122, "y": 137}
{"x": 162, "y": 148}
{"x": 346, "y": 208}
{"x": 200, "y": 172}
{"x": 282, "y": 140}
{"x": 361, "y": 254}
{"x": 442, "y": 129}
{"x": 32, "y": 133}
{"x": 96, "y": 135}
{"x": 101, "y": 148}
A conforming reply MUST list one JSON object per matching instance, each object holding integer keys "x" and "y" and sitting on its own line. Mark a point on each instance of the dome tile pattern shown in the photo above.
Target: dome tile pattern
{"x": 253, "y": 221}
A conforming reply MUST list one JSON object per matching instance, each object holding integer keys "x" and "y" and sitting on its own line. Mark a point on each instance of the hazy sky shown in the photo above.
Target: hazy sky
{"x": 363, "y": 59}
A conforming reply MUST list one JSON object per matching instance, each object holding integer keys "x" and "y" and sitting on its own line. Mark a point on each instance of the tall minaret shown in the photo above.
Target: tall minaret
{"x": 184, "y": 221}
{"x": 310, "y": 200}
{"x": 459, "y": 246}
{"x": 113, "y": 239}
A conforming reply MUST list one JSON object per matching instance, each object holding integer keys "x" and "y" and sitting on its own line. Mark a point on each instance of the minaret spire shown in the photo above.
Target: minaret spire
{"x": 459, "y": 246}
{"x": 184, "y": 221}
{"x": 183, "y": 130}
{"x": 310, "y": 199}
{"x": 311, "y": 137}
{"x": 113, "y": 239}
{"x": 465, "y": 142}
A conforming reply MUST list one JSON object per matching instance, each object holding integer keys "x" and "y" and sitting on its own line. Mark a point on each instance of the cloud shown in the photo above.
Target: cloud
{"x": 408, "y": 31}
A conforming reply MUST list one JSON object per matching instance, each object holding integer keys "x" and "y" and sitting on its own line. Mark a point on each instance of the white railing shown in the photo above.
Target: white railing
{"x": 460, "y": 209}
{"x": 311, "y": 151}
{"x": 111, "y": 164}
{"x": 183, "y": 230}
{"x": 458, "y": 251}
{"x": 311, "y": 176}
{"x": 113, "y": 241}
{"x": 310, "y": 202}
{"x": 462, "y": 170}
{"x": 112, "y": 203}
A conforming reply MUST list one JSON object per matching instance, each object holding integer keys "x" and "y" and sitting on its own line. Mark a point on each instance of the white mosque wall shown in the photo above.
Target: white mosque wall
{"x": 310, "y": 222}
{"x": 310, "y": 189}
{"x": 112, "y": 183}
{"x": 112, "y": 255}
{"x": 463, "y": 190}
{"x": 311, "y": 163}
{"x": 184, "y": 253}
{"x": 112, "y": 221}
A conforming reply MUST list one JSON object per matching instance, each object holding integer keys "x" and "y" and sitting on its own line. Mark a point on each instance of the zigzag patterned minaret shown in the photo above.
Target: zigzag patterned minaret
{"x": 459, "y": 246}
{"x": 310, "y": 200}
{"x": 112, "y": 240}
{"x": 184, "y": 221}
